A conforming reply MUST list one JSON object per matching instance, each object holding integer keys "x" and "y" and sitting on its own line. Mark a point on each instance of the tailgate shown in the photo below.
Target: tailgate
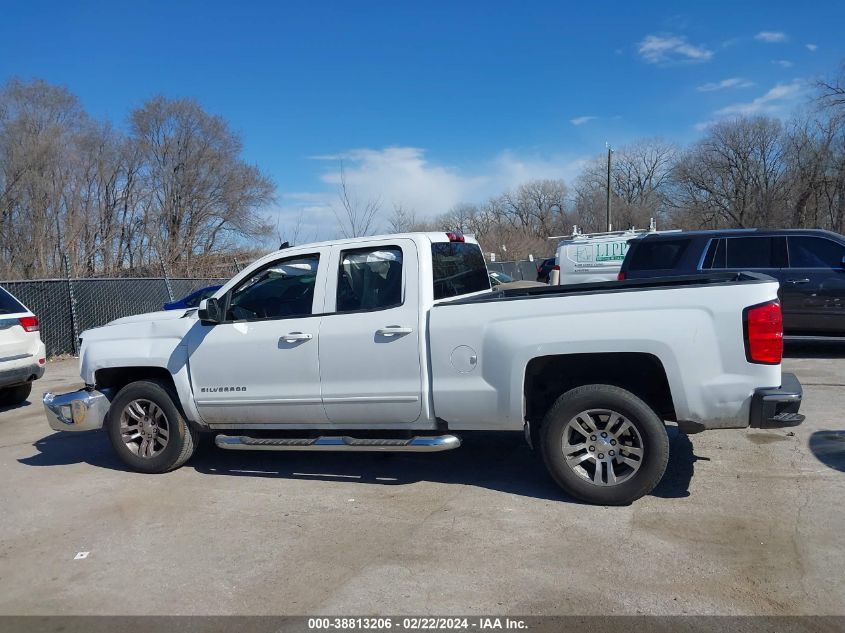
{"x": 15, "y": 342}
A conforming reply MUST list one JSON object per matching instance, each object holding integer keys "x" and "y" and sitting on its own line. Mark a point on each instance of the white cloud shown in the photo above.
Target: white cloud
{"x": 774, "y": 101}
{"x": 667, "y": 49}
{"x": 812, "y": 47}
{"x": 401, "y": 174}
{"x": 733, "y": 82}
{"x": 771, "y": 37}
{"x": 404, "y": 175}
{"x": 510, "y": 169}
{"x": 783, "y": 63}
{"x": 581, "y": 120}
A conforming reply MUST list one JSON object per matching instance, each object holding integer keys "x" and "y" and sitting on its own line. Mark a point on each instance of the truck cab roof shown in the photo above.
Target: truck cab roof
{"x": 431, "y": 236}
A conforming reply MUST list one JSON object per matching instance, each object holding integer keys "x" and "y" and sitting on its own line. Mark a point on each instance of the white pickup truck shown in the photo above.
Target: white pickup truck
{"x": 397, "y": 343}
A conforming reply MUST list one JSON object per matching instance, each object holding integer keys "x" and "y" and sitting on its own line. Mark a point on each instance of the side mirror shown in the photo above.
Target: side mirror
{"x": 210, "y": 311}
{"x": 842, "y": 263}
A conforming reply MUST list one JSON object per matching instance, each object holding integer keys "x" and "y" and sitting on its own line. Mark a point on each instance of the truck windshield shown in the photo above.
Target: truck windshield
{"x": 8, "y": 304}
{"x": 459, "y": 269}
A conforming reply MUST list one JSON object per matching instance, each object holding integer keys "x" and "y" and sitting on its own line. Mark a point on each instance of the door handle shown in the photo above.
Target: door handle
{"x": 393, "y": 330}
{"x": 797, "y": 281}
{"x": 292, "y": 337}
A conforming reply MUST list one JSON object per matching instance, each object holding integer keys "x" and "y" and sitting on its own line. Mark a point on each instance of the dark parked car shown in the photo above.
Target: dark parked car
{"x": 809, "y": 263}
{"x": 192, "y": 300}
{"x": 544, "y": 269}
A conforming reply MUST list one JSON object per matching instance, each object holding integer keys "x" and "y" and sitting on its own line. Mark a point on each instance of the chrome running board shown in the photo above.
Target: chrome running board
{"x": 421, "y": 444}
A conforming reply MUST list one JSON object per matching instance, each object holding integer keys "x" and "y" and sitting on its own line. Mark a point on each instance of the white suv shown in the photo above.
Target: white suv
{"x": 22, "y": 354}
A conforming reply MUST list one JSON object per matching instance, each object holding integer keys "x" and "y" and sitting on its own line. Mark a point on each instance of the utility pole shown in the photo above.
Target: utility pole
{"x": 609, "y": 153}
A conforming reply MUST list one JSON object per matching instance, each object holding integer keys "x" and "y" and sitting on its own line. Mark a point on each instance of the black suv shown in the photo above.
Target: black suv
{"x": 808, "y": 263}
{"x": 544, "y": 269}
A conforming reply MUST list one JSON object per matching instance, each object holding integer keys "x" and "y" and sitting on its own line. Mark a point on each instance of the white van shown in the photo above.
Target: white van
{"x": 590, "y": 257}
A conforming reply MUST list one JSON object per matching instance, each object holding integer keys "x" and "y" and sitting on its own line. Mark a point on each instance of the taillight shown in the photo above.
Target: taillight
{"x": 620, "y": 276}
{"x": 455, "y": 237}
{"x": 29, "y": 323}
{"x": 763, "y": 326}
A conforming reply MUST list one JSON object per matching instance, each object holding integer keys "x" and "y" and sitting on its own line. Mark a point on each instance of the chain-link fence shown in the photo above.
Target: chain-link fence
{"x": 66, "y": 307}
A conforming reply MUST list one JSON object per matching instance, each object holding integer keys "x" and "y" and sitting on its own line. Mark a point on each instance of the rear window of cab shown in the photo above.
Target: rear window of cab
{"x": 459, "y": 269}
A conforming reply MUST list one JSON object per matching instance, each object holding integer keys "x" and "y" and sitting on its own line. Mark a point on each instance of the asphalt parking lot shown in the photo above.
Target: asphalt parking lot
{"x": 745, "y": 522}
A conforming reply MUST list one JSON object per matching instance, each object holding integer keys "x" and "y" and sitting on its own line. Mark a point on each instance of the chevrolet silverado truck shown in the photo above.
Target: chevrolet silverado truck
{"x": 398, "y": 343}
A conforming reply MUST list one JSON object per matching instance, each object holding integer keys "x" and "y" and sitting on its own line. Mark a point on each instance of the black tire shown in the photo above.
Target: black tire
{"x": 10, "y": 396}
{"x": 651, "y": 429}
{"x": 182, "y": 438}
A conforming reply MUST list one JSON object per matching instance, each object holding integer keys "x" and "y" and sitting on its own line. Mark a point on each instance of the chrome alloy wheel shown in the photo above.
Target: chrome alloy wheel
{"x": 603, "y": 447}
{"x": 144, "y": 428}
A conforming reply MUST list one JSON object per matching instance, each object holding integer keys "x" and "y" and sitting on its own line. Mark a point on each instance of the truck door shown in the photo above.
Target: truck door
{"x": 260, "y": 366}
{"x": 370, "y": 367}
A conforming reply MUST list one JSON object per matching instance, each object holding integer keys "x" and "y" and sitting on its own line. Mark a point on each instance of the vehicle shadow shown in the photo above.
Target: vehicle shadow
{"x": 493, "y": 460}
{"x": 814, "y": 348}
{"x": 681, "y": 466}
{"x": 12, "y": 407}
{"x": 829, "y": 448}
{"x": 63, "y": 449}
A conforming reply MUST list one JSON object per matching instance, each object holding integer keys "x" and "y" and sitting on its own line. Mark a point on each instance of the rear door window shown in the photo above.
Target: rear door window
{"x": 369, "y": 279}
{"x": 814, "y": 252}
{"x": 658, "y": 254}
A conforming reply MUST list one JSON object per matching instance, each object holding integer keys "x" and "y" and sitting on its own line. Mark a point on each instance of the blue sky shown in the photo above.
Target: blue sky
{"x": 429, "y": 104}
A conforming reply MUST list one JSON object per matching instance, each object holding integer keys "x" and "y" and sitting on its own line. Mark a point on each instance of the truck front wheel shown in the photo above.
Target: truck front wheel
{"x": 147, "y": 430}
{"x": 604, "y": 445}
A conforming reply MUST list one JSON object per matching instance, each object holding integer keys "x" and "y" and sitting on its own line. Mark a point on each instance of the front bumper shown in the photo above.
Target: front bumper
{"x": 777, "y": 407}
{"x": 82, "y": 410}
{"x": 21, "y": 375}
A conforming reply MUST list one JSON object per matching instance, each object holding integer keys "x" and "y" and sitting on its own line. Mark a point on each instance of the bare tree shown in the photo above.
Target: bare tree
{"x": 82, "y": 197}
{"x": 294, "y": 233}
{"x": 831, "y": 93}
{"x": 402, "y": 220}
{"x": 516, "y": 223}
{"x": 640, "y": 180}
{"x": 38, "y": 126}
{"x": 354, "y": 218}
{"x": 78, "y": 191}
{"x": 202, "y": 194}
{"x": 734, "y": 177}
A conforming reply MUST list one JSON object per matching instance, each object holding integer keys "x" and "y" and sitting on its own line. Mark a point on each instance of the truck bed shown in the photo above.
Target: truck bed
{"x": 692, "y": 326}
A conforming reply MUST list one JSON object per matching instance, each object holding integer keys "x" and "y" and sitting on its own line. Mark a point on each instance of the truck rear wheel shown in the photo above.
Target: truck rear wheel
{"x": 604, "y": 445}
{"x": 10, "y": 396}
{"x": 147, "y": 430}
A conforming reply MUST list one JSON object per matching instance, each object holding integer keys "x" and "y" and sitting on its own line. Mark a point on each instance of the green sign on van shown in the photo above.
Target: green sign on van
{"x": 611, "y": 251}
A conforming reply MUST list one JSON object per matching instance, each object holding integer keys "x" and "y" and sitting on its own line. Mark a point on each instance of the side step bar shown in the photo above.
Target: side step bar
{"x": 337, "y": 443}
